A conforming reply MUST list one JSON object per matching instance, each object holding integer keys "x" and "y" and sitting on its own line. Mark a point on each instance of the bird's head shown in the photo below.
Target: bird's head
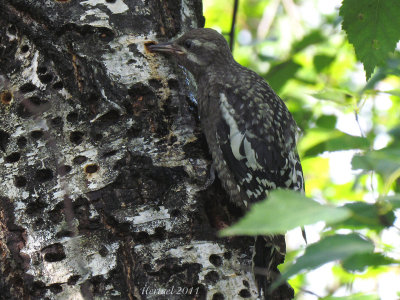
{"x": 198, "y": 50}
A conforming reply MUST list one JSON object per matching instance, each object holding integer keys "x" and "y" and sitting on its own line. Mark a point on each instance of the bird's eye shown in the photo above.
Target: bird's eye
{"x": 188, "y": 44}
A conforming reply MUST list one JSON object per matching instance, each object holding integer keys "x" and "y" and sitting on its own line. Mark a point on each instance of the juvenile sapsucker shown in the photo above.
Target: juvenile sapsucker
{"x": 249, "y": 130}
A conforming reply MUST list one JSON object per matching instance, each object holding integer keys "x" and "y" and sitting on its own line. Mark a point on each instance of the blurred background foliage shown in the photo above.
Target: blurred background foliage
{"x": 349, "y": 147}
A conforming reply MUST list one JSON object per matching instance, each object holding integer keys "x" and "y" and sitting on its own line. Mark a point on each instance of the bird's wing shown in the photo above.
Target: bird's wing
{"x": 258, "y": 142}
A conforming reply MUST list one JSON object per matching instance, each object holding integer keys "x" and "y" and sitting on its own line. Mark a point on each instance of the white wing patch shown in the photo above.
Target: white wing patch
{"x": 237, "y": 138}
{"x": 251, "y": 156}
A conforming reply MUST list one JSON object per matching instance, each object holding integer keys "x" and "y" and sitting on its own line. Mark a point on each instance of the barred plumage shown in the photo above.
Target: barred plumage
{"x": 249, "y": 130}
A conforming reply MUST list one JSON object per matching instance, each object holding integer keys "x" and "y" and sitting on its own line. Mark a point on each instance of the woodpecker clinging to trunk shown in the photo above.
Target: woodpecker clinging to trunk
{"x": 249, "y": 130}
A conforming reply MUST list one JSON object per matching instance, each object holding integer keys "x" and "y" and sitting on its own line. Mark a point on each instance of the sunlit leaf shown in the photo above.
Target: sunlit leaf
{"x": 326, "y": 121}
{"x": 393, "y": 92}
{"x": 373, "y": 27}
{"x": 384, "y": 161}
{"x": 335, "y": 95}
{"x": 282, "y": 211}
{"x": 322, "y": 61}
{"x": 320, "y": 175}
{"x": 394, "y": 201}
{"x": 331, "y": 248}
{"x": 353, "y": 297}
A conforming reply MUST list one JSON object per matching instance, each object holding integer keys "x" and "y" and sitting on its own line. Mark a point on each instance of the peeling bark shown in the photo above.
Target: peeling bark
{"x": 104, "y": 170}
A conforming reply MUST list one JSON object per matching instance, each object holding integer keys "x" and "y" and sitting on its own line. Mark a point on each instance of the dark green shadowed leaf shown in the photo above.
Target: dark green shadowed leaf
{"x": 331, "y": 248}
{"x": 326, "y": 121}
{"x": 279, "y": 74}
{"x": 338, "y": 141}
{"x": 360, "y": 261}
{"x": 373, "y": 27}
{"x": 395, "y": 132}
{"x": 322, "y": 61}
{"x": 282, "y": 211}
{"x": 314, "y": 37}
{"x": 365, "y": 215}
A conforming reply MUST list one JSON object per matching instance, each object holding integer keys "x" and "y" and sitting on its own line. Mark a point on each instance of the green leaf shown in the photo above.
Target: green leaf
{"x": 393, "y": 92}
{"x": 268, "y": 58}
{"x": 282, "y": 211}
{"x": 373, "y": 27}
{"x": 335, "y": 95}
{"x": 326, "y": 121}
{"x": 360, "y": 261}
{"x": 353, "y": 297}
{"x": 338, "y": 141}
{"x": 280, "y": 73}
{"x": 395, "y": 133}
{"x": 322, "y": 61}
{"x": 331, "y": 248}
{"x": 366, "y": 215}
{"x": 385, "y": 161}
{"x": 394, "y": 201}
{"x": 314, "y": 37}
{"x": 392, "y": 67}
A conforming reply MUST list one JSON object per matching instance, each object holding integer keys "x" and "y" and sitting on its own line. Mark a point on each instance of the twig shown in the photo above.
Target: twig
{"x": 293, "y": 13}
{"x": 310, "y": 292}
{"x": 358, "y": 123}
{"x": 232, "y": 32}
{"x": 268, "y": 17}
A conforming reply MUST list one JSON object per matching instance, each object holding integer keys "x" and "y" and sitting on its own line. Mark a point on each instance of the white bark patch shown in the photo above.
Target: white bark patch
{"x": 82, "y": 257}
{"x": 122, "y": 65}
{"x": 147, "y": 220}
{"x": 101, "y": 18}
{"x": 187, "y": 13}
{"x": 118, "y": 7}
{"x": 231, "y": 273}
{"x": 150, "y": 216}
{"x": 30, "y": 73}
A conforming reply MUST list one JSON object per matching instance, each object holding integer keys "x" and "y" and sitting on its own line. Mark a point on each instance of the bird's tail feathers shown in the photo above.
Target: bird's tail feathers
{"x": 269, "y": 252}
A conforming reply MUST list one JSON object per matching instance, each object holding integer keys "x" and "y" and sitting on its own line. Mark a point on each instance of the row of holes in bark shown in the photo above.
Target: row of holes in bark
{"x": 213, "y": 276}
{"x": 108, "y": 1}
{"x": 244, "y": 293}
{"x": 75, "y": 137}
{"x": 44, "y": 78}
{"x": 43, "y": 175}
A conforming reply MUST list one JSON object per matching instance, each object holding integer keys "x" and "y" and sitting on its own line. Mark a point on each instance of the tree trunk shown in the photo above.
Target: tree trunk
{"x": 104, "y": 171}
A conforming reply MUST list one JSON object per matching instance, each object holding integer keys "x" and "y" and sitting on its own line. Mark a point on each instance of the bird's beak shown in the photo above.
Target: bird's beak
{"x": 166, "y": 48}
